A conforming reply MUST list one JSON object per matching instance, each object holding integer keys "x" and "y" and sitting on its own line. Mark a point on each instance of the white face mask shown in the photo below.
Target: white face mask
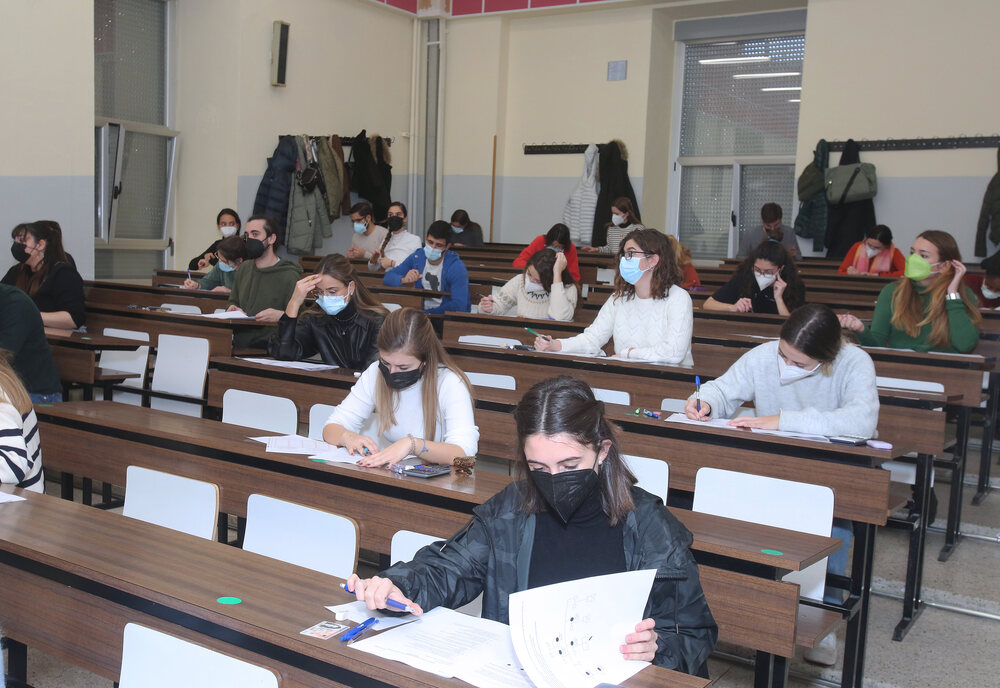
{"x": 790, "y": 373}
{"x": 617, "y": 220}
{"x": 872, "y": 252}
{"x": 228, "y": 230}
{"x": 989, "y": 293}
{"x": 764, "y": 281}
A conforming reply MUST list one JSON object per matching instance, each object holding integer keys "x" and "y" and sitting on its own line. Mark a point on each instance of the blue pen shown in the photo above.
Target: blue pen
{"x": 389, "y": 602}
{"x": 355, "y": 632}
{"x": 697, "y": 392}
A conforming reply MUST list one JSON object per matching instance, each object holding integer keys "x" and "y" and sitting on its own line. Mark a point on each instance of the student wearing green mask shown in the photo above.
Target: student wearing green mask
{"x": 929, "y": 309}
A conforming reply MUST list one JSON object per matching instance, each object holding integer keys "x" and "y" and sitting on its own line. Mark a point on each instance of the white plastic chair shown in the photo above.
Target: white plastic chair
{"x": 901, "y": 471}
{"x": 773, "y": 502}
{"x": 152, "y": 659}
{"x": 136, "y": 361}
{"x": 301, "y": 535}
{"x": 673, "y": 405}
{"x": 318, "y": 415}
{"x": 181, "y": 368}
{"x": 261, "y": 411}
{"x": 492, "y": 380}
{"x": 605, "y": 275}
{"x": 181, "y": 308}
{"x": 612, "y": 396}
{"x": 652, "y": 475}
{"x": 486, "y": 340}
{"x": 172, "y": 501}
{"x": 404, "y": 546}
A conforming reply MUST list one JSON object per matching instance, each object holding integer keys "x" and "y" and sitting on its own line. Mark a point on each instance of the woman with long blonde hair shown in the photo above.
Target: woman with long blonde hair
{"x": 929, "y": 309}
{"x": 20, "y": 450}
{"x": 423, "y": 400}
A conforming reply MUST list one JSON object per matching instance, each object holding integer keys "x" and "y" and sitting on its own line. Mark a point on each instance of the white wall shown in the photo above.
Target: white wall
{"x": 47, "y": 169}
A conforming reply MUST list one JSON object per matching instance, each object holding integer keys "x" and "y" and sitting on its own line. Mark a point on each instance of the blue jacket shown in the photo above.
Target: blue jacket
{"x": 454, "y": 279}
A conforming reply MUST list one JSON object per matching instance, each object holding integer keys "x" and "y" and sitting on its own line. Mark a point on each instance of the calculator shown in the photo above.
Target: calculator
{"x": 427, "y": 470}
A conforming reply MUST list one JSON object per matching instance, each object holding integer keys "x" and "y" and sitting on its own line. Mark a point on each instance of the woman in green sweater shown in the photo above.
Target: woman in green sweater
{"x": 929, "y": 309}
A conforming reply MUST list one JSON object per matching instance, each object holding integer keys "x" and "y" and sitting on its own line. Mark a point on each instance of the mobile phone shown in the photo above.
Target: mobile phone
{"x": 849, "y": 439}
{"x": 521, "y": 347}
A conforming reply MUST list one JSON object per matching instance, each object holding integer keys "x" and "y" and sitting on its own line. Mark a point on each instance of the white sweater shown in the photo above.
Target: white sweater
{"x": 20, "y": 448}
{"x": 456, "y": 423}
{"x": 659, "y": 329}
{"x": 514, "y": 300}
{"x": 400, "y": 246}
{"x": 845, "y": 402}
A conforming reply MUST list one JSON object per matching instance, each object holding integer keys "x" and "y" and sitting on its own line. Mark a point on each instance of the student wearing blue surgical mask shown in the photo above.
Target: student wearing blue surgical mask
{"x": 464, "y": 231}
{"x": 343, "y": 325}
{"x": 229, "y": 254}
{"x": 649, "y": 315}
{"x": 367, "y": 237}
{"x": 435, "y": 267}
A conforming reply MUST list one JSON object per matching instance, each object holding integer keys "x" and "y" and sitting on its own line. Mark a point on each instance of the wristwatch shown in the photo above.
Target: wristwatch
{"x": 954, "y": 296}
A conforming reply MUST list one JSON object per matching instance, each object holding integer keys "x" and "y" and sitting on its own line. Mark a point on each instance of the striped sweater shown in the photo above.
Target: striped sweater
{"x": 20, "y": 448}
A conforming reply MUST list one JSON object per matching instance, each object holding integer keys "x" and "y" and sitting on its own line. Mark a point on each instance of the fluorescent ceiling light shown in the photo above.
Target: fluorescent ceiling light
{"x": 782, "y": 88}
{"x": 772, "y": 75}
{"x": 794, "y": 100}
{"x": 735, "y": 60}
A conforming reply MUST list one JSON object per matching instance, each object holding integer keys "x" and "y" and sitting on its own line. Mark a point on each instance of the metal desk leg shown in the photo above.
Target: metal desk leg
{"x": 857, "y": 626}
{"x": 952, "y": 534}
{"x": 17, "y": 660}
{"x": 989, "y": 433}
{"x": 66, "y": 484}
{"x": 771, "y": 671}
{"x": 912, "y": 605}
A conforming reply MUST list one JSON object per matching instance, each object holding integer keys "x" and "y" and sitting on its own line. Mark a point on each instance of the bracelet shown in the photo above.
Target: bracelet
{"x": 413, "y": 446}
{"x": 954, "y": 296}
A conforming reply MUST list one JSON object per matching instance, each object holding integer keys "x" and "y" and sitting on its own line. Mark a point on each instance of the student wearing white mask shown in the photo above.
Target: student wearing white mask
{"x": 624, "y": 219}
{"x": 986, "y": 285}
{"x": 874, "y": 256}
{"x": 649, "y": 315}
{"x": 766, "y": 282}
{"x": 545, "y": 290}
{"x": 343, "y": 325}
{"x": 228, "y": 223}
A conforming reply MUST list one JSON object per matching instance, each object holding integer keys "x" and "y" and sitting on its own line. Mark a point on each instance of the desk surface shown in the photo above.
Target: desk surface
{"x": 177, "y": 578}
{"x": 84, "y": 340}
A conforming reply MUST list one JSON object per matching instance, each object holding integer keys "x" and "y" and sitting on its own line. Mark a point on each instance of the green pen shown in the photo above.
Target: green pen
{"x": 539, "y": 334}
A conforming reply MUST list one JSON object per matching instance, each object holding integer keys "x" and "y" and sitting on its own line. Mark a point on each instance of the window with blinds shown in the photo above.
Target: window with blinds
{"x": 738, "y": 127}
{"x": 134, "y": 147}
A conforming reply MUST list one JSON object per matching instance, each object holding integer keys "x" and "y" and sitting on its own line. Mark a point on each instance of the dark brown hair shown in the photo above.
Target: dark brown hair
{"x": 566, "y": 405}
{"x": 774, "y": 253}
{"x": 814, "y": 330}
{"x": 236, "y": 216}
{"x": 770, "y": 212}
{"x": 29, "y": 280}
{"x": 667, "y": 272}
{"x": 543, "y": 261}
{"x": 624, "y": 204}
{"x": 362, "y": 208}
{"x": 340, "y": 268}
{"x": 232, "y": 248}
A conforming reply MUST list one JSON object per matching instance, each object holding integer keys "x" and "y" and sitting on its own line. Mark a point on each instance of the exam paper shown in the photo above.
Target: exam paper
{"x": 337, "y": 455}
{"x": 358, "y": 612}
{"x": 7, "y": 497}
{"x": 228, "y": 315}
{"x": 793, "y": 435}
{"x": 710, "y": 423}
{"x": 568, "y": 635}
{"x": 294, "y": 444}
{"x": 298, "y": 365}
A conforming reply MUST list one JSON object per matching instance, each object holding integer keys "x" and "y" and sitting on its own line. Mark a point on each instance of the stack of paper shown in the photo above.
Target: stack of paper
{"x": 298, "y": 365}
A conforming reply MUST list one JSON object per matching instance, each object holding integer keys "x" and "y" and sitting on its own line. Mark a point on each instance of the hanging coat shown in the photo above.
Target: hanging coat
{"x": 847, "y": 223}
{"x": 331, "y": 174}
{"x": 307, "y": 221}
{"x": 383, "y": 163}
{"x": 338, "y": 159}
{"x": 578, "y": 214}
{"x": 810, "y": 223}
{"x": 366, "y": 180}
{"x": 989, "y": 214}
{"x": 613, "y": 176}
{"x": 275, "y": 186}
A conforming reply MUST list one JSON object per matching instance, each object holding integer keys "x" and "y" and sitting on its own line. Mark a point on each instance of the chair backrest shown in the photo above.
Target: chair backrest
{"x": 173, "y": 501}
{"x": 318, "y": 415}
{"x": 181, "y": 308}
{"x": 261, "y": 411}
{"x": 181, "y": 368}
{"x": 907, "y": 384}
{"x": 487, "y": 340}
{"x": 391, "y": 306}
{"x": 612, "y": 396}
{"x": 605, "y": 275}
{"x": 772, "y": 502}
{"x": 136, "y": 361}
{"x": 492, "y": 380}
{"x": 673, "y": 405}
{"x": 152, "y": 659}
{"x": 652, "y": 475}
{"x": 405, "y": 543}
{"x": 301, "y": 535}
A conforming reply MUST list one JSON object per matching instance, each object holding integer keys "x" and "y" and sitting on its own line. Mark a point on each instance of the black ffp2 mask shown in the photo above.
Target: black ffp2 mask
{"x": 394, "y": 223}
{"x": 565, "y": 492}
{"x": 400, "y": 380}
{"x": 19, "y": 252}
{"x": 255, "y": 248}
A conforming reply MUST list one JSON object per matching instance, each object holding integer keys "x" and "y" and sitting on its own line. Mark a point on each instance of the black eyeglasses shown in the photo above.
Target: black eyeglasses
{"x": 632, "y": 253}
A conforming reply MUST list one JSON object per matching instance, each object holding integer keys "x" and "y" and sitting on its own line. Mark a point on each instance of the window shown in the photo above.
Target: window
{"x": 135, "y": 149}
{"x": 739, "y": 117}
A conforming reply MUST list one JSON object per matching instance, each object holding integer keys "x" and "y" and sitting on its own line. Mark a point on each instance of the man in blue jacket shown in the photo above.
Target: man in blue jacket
{"x": 435, "y": 267}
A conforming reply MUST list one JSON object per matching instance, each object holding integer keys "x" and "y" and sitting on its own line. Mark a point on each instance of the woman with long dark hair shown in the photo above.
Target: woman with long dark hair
{"x": 545, "y": 290}
{"x": 575, "y": 512}
{"x": 556, "y": 239}
{"x": 766, "y": 282}
{"x": 44, "y": 273}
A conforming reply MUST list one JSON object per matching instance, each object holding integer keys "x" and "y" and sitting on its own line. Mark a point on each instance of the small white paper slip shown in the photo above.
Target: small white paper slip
{"x": 293, "y": 444}
{"x": 358, "y": 612}
{"x": 337, "y": 455}
{"x": 298, "y": 365}
{"x": 8, "y": 497}
{"x": 324, "y": 630}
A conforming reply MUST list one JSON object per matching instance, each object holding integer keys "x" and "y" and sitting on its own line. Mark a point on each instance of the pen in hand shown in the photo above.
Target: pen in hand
{"x": 539, "y": 334}
{"x": 697, "y": 393}
{"x": 389, "y": 602}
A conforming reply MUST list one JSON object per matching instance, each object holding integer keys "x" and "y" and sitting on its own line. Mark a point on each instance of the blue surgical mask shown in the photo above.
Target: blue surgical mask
{"x": 332, "y": 305}
{"x": 557, "y": 250}
{"x": 432, "y": 253}
{"x": 629, "y": 269}
{"x": 226, "y": 267}
{"x": 359, "y": 227}
{"x": 457, "y": 230}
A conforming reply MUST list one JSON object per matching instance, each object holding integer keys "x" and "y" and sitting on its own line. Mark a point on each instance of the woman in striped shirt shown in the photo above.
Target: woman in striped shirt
{"x": 20, "y": 449}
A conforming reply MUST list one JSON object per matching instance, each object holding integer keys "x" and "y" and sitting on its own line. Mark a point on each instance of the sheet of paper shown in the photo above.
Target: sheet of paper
{"x": 710, "y": 423}
{"x": 793, "y": 435}
{"x": 298, "y": 365}
{"x": 228, "y": 315}
{"x": 568, "y": 635}
{"x": 7, "y": 497}
{"x": 497, "y": 667}
{"x": 294, "y": 444}
{"x": 358, "y": 612}
{"x": 600, "y": 354}
{"x": 336, "y": 455}
{"x": 442, "y": 642}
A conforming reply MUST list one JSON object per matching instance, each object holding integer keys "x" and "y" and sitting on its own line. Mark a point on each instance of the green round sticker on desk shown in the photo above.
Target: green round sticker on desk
{"x": 773, "y": 552}
{"x": 229, "y": 600}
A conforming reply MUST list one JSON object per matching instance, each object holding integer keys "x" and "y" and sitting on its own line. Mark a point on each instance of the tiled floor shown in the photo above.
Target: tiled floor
{"x": 942, "y": 649}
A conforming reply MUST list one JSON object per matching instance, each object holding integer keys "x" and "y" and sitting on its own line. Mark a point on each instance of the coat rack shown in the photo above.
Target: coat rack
{"x": 554, "y": 148}
{"x": 949, "y": 143}
{"x": 349, "y": 140}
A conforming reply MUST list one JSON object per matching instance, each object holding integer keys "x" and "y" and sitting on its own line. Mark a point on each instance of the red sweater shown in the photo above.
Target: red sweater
{"x": 537, "y": 245}
{"x": 895, "y": 268}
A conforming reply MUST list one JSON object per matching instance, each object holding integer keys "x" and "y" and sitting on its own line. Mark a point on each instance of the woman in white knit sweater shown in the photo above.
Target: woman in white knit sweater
{"x": 544, "y": 291}
{"x": 648, "y": 315}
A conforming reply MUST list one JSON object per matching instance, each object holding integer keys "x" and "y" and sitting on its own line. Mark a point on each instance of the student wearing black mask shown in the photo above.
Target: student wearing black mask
{"x": 423, "y": 400}
{"x": 576, "y": 513}
{"x": 398, "y": 244}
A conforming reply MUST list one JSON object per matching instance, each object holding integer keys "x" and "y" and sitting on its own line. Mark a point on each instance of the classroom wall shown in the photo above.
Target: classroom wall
{"x": 47, "y": 169}
{"x": 878, "y": 69}
{"x": 349, "y": 68}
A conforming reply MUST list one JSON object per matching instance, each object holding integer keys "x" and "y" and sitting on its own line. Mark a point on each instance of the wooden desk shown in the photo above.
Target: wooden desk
{"x": 144, "y": 295}
{"x": 97, "y": 571}
{"x": 76, "y": 355}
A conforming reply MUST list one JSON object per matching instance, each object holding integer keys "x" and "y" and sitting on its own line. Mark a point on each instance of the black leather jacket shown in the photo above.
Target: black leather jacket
{"x": 346, "y": 339}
